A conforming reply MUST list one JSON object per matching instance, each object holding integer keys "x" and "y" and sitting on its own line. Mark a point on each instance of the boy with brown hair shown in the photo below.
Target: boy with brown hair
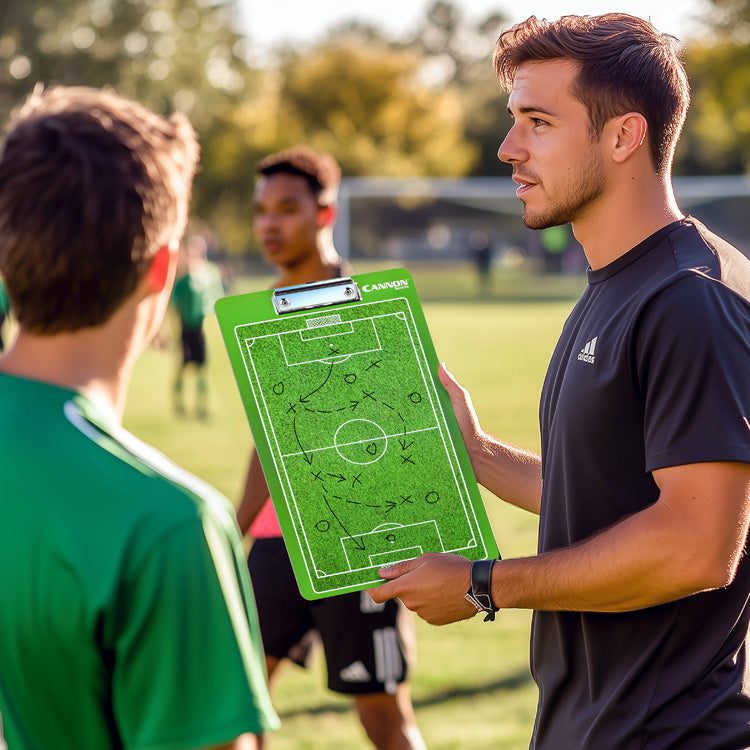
{"x": 126, "y": 614}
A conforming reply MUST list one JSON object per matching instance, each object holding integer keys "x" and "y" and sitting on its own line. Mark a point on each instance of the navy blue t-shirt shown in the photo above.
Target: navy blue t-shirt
{"x": 652, "y": 369}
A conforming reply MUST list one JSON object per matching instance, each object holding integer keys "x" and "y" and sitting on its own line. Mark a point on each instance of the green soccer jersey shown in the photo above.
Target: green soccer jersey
{"x": 126, "y": 614}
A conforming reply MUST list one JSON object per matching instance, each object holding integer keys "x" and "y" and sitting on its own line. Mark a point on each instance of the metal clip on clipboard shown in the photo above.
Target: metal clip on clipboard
{"x": 315, "y": 294}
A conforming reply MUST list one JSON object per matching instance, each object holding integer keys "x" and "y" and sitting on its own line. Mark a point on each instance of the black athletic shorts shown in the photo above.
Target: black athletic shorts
{"x": 193, "y": 346}
{"x": 368, "y": 647}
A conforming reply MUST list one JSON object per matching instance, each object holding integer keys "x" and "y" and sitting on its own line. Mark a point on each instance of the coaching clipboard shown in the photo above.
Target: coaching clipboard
{"x": 356, "y": 436}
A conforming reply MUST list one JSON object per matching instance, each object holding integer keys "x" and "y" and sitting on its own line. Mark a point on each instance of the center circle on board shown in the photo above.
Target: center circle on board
{"x": 360, "y": 441}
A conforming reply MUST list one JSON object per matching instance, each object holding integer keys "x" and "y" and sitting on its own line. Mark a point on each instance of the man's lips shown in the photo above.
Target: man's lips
{"x": 524, "y": 184}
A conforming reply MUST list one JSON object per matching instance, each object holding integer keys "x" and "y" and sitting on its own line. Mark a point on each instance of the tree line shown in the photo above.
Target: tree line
{"x": 425, "y": 106}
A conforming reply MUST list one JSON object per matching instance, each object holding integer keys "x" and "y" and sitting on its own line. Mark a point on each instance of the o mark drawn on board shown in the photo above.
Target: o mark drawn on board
{"x": 278, "y": 389}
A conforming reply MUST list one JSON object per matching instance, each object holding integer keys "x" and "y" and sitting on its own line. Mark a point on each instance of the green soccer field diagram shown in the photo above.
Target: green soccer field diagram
{"x": 362, "y": 459}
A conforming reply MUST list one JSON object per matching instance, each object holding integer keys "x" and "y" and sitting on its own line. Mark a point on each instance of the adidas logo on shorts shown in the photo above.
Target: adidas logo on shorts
{"x": 355, "y": 672}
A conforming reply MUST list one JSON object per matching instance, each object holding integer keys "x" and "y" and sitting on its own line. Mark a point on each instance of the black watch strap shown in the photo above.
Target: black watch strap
{"x": 480, "y": 592}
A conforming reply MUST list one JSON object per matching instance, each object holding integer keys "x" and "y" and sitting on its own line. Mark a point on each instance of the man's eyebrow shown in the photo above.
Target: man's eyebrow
{"x": 529, "y": 110}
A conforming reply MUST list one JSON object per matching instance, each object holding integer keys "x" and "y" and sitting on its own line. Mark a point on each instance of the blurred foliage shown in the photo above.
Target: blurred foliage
{"x": 717, "y": 135}
{"x": 169, "y": 54}
{"x": 424, "y": 105}
{"x": 182, "y": 55}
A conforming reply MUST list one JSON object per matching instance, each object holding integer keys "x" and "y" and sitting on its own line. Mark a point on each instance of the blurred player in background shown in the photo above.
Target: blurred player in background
{"x": 368, "y": 647}
{"x": 194, "y": 295}
{"x": 127, "y": 617}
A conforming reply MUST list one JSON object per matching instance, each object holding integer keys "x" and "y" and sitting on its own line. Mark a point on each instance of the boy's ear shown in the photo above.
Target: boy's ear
{"x": 159, "y": 271}
{"x": 327, "y": 215}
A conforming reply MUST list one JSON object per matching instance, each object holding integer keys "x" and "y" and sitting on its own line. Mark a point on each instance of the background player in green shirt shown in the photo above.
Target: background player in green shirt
{"x": 193, "y": 297}
{"x": 127, "y": 619}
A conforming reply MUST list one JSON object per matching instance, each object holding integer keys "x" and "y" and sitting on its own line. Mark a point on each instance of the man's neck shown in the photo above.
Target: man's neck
{"x": 610, "y": 229}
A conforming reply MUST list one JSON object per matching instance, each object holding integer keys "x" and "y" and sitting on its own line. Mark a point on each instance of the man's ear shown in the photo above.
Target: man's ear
{"x": 630, "y": 135}
{"x": 327, "y": 215}
{"x": 162, "y": 264}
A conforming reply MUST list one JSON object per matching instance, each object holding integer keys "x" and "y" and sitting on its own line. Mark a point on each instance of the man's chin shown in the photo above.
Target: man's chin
{"x": 541, "y": 221}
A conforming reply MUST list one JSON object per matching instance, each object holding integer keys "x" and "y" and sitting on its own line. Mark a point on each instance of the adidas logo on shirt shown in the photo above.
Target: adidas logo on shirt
{"x": 355, "y": 672}
{"x": 587, "y": 353}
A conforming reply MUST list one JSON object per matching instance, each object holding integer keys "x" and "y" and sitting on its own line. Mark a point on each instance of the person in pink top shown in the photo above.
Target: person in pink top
{"x": 368, "y": 647}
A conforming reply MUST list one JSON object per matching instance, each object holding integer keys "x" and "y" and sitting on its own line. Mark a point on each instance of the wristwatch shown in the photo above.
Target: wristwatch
{"x": 480, "y": 591}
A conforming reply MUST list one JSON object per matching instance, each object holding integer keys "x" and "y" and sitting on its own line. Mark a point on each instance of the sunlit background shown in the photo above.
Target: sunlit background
{"x": 401, "y": 92}
{"x": 270, "y": 23}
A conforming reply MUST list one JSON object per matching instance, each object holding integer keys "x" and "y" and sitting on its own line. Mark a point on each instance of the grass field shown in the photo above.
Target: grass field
{"x": 471, "y": 687}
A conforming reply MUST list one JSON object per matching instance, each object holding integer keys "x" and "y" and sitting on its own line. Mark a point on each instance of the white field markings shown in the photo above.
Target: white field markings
{"x": 287, "y": 488}
{"x": 273, "y": 440}
{"x": 450, "y": 451}
{"x": 378, "y": 559}
{"x": 327, "y": 360}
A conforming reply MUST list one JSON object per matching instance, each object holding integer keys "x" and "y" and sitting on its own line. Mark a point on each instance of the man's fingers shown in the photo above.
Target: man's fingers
{"x": 455, "y": 390}
{"x": 387, "y": 591}
{"x": 398, "y": 569}
{"x": 382, "y": 593}
{"x": 446, "y": 377}
{"x": 433, "y": 585}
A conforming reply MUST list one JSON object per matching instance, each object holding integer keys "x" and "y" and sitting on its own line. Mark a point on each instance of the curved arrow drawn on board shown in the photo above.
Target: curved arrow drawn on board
{"x": 296, "y": 436}
{"x": 358, "y": 543}
{"x": 305, "y": 399}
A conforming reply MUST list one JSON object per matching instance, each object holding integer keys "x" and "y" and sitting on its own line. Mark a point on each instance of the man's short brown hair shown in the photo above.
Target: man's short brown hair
{"x": 91, "y": 185}
{"x": 320, "y": 170}
{"x": 625, "y": 65}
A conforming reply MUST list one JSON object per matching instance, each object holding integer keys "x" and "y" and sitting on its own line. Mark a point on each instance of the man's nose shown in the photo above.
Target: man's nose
{"x": 510, "y": 149}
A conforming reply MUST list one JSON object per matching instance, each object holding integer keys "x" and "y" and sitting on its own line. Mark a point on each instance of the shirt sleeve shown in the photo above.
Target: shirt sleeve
{"x": 693, "y": 373}
{"x": 188, "y": 669}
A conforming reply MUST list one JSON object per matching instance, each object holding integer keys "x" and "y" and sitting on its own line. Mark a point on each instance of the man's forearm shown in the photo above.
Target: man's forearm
{"x": 511, "y": 473}
{"x": 640, "y": 562}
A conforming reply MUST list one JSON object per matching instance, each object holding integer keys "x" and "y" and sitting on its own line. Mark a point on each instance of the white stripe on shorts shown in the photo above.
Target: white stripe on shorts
{"x": 389, "y": 666}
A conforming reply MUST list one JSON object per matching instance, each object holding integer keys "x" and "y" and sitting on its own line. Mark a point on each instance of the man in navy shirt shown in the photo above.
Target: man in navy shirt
{"x": 641, "y": 584}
